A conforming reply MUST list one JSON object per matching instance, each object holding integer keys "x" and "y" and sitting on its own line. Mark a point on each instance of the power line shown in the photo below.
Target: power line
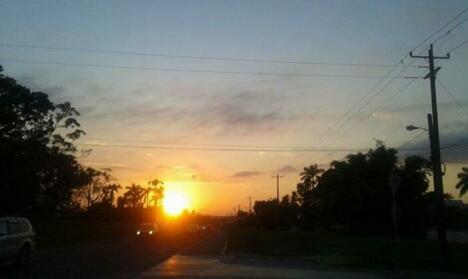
{"x": 458, "y": 46}
{"x": 413, "y": 138}
{"x": 239, "y": 146}
{"x": 450, "y": 30}
{"x": 371, "y": 113}
{"x": 134, "y": 53}
{"x": 196, "y": 144}
{"x": 338, "y": 123}
{"x": 229, "y": 149}
{"x": 438, "y": 30}
{"x": 455, "y": 145}
{"x": 453, "y": 96}
{"x": 380, "y": 91}
{"x": 188, "y": 70}
{"x": 335, "y": 125}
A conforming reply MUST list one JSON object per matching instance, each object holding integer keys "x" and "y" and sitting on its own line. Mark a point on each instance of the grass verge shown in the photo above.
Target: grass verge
{"x": 333, "y": 250}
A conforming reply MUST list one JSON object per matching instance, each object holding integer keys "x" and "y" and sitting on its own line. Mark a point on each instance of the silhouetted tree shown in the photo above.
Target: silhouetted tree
{"x": 109, "y": 192}
{"x": 310, "y": 174}
{"x": 266, "y": 212}
{"x": 134, "y": 196}
{"x": 309, "y": 179}
{"x": 157, "y": 190}
{"x": 95, "y": 190}
{"x": 355, "y": 193}
{"x": 38, "y": 169}
{"x": 462, "y": 184}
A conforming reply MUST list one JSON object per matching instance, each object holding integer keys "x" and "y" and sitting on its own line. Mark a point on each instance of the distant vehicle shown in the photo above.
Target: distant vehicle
{"x": 206, "y": 228}
{"x": 17, "y": 238}
{"x": 197, "y": 229}
{"x": 147, "y": 230}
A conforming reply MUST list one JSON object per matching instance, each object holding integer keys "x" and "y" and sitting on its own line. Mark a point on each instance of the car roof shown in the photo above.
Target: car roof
{"x": 14, "y": 219}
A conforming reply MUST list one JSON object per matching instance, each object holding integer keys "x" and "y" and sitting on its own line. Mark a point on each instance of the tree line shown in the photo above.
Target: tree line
{"x": 40, "y": 172}
{"x": 354, "y": 195}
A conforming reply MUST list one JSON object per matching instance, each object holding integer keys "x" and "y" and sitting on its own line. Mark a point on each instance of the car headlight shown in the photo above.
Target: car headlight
{"x": 138, "y": 232}
{"x": 150, "y": 232}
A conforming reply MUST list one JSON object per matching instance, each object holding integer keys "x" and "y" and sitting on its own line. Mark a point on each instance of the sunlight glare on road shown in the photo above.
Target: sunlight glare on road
{"x": 174, "y": 203}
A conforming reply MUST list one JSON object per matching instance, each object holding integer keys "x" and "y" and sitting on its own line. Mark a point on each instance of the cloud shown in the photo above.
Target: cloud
{"x": 246, "y": 174}
{"x": 385, "y": 116}
{"x": 110, "y": 166}
{"x": 221, "y": 113}
{"x": 453, "y": 145}
{"x": 287, "y": 169}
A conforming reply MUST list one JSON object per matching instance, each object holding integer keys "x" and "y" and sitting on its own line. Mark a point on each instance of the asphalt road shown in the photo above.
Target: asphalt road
{"x": 122, "y": 258}
{"x": 210, "y": 245}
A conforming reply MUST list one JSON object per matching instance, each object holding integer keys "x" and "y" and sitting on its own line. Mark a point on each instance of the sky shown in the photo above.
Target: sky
{"x": 122, "y": 109}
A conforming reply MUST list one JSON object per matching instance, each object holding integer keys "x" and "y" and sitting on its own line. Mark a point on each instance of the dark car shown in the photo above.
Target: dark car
{"x": 16, "y": 240}
{"x": 147, "y": 230}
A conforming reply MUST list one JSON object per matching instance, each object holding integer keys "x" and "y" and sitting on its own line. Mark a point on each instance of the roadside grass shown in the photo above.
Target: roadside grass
{"x": 335, "y": 250}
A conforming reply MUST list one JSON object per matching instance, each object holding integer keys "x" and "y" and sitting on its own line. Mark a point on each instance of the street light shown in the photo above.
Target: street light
{"x": 438, "y": 185}
{"x": 412, "y": 128}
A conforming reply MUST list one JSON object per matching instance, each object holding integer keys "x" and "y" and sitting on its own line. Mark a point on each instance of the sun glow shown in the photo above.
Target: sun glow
{"x": 174, "y": 203}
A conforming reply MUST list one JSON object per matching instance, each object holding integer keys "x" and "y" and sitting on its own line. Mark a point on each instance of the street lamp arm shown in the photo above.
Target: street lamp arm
{"x": 412, "y": 128}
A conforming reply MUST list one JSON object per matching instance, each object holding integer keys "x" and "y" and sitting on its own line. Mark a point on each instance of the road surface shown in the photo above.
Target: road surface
{"x": 177, "y": 258}
{"x": 206, "y": 260}
{"x": 123, "y": 258}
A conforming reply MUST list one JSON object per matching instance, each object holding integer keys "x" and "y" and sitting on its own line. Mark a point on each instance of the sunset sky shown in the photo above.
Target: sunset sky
{"x": 122, "y": 109}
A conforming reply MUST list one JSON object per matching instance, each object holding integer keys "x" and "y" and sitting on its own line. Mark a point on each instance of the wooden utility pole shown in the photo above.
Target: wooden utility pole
{"x": 277, "y": 176}
{"x": 250, "y": 204}
{"x": 435, "y": 152}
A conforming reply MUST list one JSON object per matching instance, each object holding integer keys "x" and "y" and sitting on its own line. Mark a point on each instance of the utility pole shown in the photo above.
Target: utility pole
{"x": 250, "y": 204}
{"x": 277, "y": 176}
{"x": 435, "y": 152}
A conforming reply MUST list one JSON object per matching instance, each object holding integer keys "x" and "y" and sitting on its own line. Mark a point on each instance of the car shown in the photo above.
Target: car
{"x": 194, "y": 229}
{"x": 17, "y": 239}
{"x": 147, "y": 230}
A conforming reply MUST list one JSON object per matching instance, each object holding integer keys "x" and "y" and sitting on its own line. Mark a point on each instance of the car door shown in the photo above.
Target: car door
{"x": 14, "y": 236}
{"x": 6, "y": 249}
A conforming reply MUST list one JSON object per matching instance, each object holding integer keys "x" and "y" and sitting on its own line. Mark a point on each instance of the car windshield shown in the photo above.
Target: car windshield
{"x": 3, "y": 228}
{"x": 148, "y": 227}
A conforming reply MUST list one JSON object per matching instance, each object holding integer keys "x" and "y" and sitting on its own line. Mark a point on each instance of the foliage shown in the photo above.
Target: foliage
{"x": 355, "y": 194}
{"x": 270, "y": 213}
{"x": 37, "y": 164}
{"x": 155, "y": 192}
{"x": 97, "y": 188}
{"x": 462, "y": 184}
{"x": 137, "y": 196}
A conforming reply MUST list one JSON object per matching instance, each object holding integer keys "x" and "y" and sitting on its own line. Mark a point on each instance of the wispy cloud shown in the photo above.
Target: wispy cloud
{"x": 287, "y": 169}
{"x": 246, "y": 174}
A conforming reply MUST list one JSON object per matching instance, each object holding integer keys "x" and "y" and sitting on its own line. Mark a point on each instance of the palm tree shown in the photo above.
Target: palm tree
{"x": 134, "y": 195}
{"x": 309, "y": 175}
{"x": 146, "y": 193}
{"x": 462, "y": 184}
{"x": 156, "y": 187}
{"x": 109, "y": 192}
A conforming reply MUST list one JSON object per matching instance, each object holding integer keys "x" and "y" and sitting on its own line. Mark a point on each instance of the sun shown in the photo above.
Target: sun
{"x": 174, "y": 203}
